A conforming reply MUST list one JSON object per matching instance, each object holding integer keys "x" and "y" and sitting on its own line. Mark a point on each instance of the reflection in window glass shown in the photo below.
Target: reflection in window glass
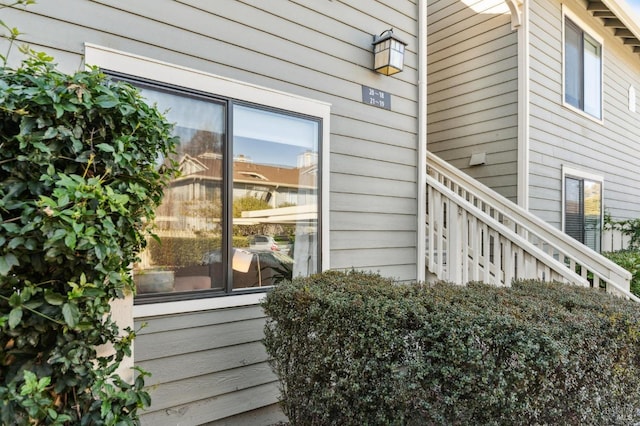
{"x": 582, "y": 70}
{"x": 275, "y": 197}
{"x": 583, "y": 211}
{"x": 592, "y": 77}
{"x": 592, "y": 214}
{"x": 271, "y": 181}
{"x": 573, "y": 64}
{"x": 189, "y": 220}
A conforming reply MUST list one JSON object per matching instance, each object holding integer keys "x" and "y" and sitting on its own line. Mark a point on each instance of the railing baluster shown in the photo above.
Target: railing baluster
{"x": 508, "y": 263}
{"x": 520, "y": 268}
{"x": 453, "y": 237}
{"x": 497, "y": 257}
{"x": 464, "y": 241}
{"x": 431, "y": 240}
{"x": 440, "y": 259}
{"x": 475, "y": 240}
{"x": 506, "y": 242}
{"x": 486, "y": 258}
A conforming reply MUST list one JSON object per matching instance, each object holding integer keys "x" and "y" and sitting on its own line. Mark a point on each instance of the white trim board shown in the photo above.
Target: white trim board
{"x": 195, "y": 305}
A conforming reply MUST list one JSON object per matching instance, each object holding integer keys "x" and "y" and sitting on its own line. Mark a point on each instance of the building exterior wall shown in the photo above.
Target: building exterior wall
{"x": 562, "y": 137}
{"x": 206, "y": 366}
{"x": 205, "y": 357}
{"x": 472, "y": 89}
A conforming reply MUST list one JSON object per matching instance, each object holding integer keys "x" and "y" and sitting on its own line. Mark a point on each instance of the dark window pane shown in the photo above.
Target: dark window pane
{"x": 573, "y": 209}
{"x": 583, "y": 211}
{"x": 573, "y": 73}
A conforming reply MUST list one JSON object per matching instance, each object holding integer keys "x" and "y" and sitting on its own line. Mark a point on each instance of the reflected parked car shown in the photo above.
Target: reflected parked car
{"x": 263, "y": 242}
{"x": 254, "y": 268}
{"x": 285, "y": 243}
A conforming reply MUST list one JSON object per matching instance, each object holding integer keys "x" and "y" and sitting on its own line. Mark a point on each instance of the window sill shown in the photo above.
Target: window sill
{"x": 195, "y": 305}
{"x": 580, "y": 112}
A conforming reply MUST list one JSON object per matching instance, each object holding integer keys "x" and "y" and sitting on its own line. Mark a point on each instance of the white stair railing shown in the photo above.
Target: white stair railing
{"x": 475, "y": 234}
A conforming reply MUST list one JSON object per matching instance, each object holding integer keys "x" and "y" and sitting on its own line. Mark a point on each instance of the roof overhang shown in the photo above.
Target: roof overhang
{"x": 617, "y": 16}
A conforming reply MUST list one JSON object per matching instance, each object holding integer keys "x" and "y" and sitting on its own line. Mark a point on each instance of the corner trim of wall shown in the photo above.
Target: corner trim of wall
{"x": 421, "y": 264}
{"x": 523, "y": 107}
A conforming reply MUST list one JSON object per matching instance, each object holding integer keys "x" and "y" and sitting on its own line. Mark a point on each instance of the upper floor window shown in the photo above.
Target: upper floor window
{"x": 582, "y": 69}
{"x": 243, "y": 214}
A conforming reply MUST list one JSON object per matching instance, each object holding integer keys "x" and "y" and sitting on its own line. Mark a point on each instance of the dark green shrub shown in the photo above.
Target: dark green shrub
{"x": 181, "y": 251}
{"x": 629, "y": 260}
{"x": 356, "y": 349}
{"x": 628, "y": 227}
{"x": 79, "y": 184}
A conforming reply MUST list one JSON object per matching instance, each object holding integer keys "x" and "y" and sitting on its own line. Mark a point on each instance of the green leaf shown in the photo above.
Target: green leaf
{"x": 7, "y": 262}
{"x": 15, "y": 300}
{"x": 44, "y": 382}
{"x": 105, "y": 147}
{"x": 53, "y": 298}
{"x": 30, "y": 383}
{"x": 106, "y": 101}
{"x": 58, "y": 234}
{"x": 15, "y": 316}
{"x": 15, "y": 242}
{"x": 59, "y": 110}
{"x": 52, "y": 413}
{"x": 70, "y": 240}
{"x": 71, "y": 314}
{"x": 51, "y": 133}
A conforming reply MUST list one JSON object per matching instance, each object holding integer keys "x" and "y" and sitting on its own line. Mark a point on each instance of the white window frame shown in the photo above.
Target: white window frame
{"x": 581, "y": 174}
{"x": 586, "y": 28}
{"x": 155, "y": 70}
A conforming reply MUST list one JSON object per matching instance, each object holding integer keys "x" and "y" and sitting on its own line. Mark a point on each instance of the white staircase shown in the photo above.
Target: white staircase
{"x": 475, "y": 234}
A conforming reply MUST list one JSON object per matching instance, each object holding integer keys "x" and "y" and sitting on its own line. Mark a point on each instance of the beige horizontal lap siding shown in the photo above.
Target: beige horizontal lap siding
{"x": 472, "y": 91}
{"x": 204, "y": 365}
{"x": 210, "y": 367}
{"x": 560, "y": 136}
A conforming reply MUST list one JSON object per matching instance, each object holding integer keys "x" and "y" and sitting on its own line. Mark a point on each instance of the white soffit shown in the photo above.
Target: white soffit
{"x": 618, "y": 16}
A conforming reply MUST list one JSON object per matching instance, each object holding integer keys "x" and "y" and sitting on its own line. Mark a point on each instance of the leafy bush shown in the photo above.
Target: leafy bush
{"x": 181, "y": 251}
{"x": 78, "y": 185}
{"x": 628, "y": 227}
{"x": 355, "y": 348}
{"x": 629, "y": 260}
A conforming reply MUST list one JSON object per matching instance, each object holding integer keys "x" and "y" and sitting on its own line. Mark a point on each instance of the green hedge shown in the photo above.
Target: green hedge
{"x": 357, "y": 349}
{"x": 629, "y": 260}
{"x": 181, "y": 251}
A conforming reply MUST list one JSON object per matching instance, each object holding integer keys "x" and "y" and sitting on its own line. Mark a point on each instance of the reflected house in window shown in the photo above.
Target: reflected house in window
{"x": 273, "y": 185}
{"x": 276, "y": 185}
{"x": 288, "y": 196}
{"x": 200, "y": 182}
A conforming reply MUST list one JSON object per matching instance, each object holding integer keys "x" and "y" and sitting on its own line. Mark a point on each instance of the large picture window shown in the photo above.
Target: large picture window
{"x": 243, "y": 214}
{"x": 583, "y": 209}
{"x": 582, "y": 69}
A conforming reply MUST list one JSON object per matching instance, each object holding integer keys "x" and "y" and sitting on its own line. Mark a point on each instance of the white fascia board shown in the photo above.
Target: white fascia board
{"x": 624, "y": 13}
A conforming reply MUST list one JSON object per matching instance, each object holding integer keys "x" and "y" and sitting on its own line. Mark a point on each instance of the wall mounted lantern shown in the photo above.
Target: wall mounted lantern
{"x": 388, "y": 53}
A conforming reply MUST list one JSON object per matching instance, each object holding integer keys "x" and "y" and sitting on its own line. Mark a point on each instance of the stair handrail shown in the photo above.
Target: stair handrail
{"x": 606, "y": 270}
{"x": 566, "y": 273}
